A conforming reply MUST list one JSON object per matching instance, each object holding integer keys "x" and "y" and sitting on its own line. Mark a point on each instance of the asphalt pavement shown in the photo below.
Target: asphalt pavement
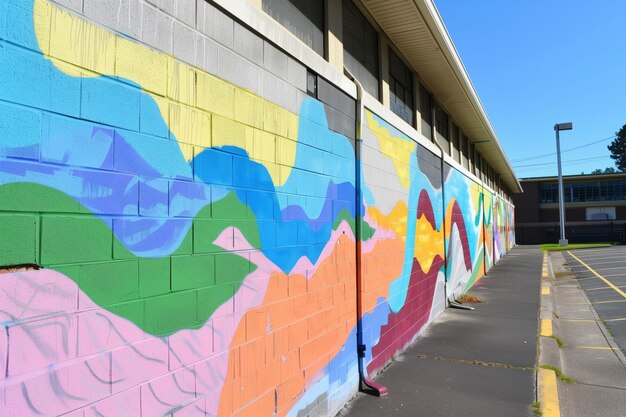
{"x": 478, "y": 363}
{"x": 535, "y": 345}
{"x": 601, "y": 273}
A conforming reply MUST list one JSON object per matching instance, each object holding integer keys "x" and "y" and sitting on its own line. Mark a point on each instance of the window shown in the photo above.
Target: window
{"x": 360, "y": 47}
{"x": 456, "y": 143}
{"x": 577, "y": 192}
{"x": 464, "y": 152}
{"x": 303, "y": 18}
{"x": 401, "y": 88}
{"x": 441, "y": 126}
{"x": 426, "y": 112}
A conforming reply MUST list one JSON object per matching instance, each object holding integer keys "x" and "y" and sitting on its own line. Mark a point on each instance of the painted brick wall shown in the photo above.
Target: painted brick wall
{"x": 178, "y": 220}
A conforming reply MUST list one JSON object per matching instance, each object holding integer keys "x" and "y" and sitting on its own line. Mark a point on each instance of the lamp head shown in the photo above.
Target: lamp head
{"x": 563, "y": 126}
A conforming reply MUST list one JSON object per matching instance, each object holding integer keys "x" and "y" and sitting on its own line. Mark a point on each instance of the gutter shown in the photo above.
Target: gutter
{"x": 366, "y": 384}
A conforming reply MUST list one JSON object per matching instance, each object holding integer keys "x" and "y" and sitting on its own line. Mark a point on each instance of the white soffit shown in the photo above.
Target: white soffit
{"x": 416, "y": 29}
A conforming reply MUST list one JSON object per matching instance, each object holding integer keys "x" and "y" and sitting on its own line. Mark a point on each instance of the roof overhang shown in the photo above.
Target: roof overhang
{"x": 416, "y": 29}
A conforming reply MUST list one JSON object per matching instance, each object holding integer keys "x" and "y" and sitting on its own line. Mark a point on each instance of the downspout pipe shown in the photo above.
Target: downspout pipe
{"x": 452, "y": 304}
{"x": 366, "y": 384}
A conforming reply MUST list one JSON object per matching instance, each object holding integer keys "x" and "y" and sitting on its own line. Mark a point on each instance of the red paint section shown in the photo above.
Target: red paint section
{"x": 457, "y": 218}
{"x": 403, "y": 326}
{"x": 425, "y": 208}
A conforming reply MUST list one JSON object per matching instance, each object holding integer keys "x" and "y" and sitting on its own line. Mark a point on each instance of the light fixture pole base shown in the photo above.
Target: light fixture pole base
{"x": 563, "y": 242}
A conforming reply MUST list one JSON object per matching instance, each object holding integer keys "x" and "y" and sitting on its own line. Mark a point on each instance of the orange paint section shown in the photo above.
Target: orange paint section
{"x": 300, "y": 326}
{"x": 296, "y": 331}
{"x": 380, "y": 267}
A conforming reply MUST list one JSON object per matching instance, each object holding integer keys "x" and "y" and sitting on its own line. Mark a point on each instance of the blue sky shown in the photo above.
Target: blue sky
{"x": 536, "y": 63}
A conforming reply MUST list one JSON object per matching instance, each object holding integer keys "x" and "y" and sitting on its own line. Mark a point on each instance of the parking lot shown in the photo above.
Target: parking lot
{"x": 602, "y": 274}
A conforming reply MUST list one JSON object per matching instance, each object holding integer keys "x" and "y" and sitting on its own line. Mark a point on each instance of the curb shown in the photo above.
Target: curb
{"x": 547, "y": 387}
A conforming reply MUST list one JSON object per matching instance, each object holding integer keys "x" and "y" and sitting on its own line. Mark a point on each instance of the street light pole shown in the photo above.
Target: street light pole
{"x": 557, "y": 128}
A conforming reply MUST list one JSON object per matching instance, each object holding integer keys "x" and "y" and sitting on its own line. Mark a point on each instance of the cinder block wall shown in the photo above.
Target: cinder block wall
{"x": 179, "y": 219}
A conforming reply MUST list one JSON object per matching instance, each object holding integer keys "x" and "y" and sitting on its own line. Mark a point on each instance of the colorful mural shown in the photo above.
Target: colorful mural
{"x": 174, "y": 244}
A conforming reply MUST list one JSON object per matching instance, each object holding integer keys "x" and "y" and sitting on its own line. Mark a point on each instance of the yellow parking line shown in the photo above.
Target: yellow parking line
{"x": 548, "y": 393}
{"x": 609, "y": 301}
{"x": 605, "y": 288}
{"x": 578, "y": 320}
{"x": 621, "y": 319}
{"x": 545, "y": 290}
{"x": 606, "y": 281}
{"x": 546, "y": 328}
{"x": 595, "y": 347}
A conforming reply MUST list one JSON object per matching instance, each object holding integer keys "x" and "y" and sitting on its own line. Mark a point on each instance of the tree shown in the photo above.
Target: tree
{"x": 609, "y": 170}
{"x": 618, "y": 149}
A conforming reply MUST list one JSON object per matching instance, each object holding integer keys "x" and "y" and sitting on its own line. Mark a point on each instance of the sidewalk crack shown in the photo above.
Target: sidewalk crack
{"x": 600, "y": 386}
{"x": 477, "y": 362}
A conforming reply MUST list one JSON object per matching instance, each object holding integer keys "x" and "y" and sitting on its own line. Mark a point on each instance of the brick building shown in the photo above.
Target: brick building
{"x": 595, "y": 209}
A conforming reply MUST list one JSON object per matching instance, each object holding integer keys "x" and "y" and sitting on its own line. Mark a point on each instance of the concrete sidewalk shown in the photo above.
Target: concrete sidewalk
{"x": 588, "y": 354}
{"x": 477, "y": 363}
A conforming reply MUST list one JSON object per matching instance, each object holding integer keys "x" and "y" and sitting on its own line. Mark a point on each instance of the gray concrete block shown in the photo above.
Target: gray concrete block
{"x": 168, "y": 6}
{"x": 210, "y": 56}
{"x": 184, "y": 43}
{"x": 296, "y": 74}
{"x": 279, "y": 92}
{"x": 275, "y": 61}
{"x": 214, "y": 23}
{"x": 300, "y": 97}
{"x": 186, "y": 11}
{"x": 340, "y": 123}
{"x": 121, "y": 15}
{"x": 335, "y": 98}
{"x": 199, "y": 50}
{"x": 75, "y": 5}
{"x": 248, "y": 44}
{"x": 157, "y": 29}
{"x": 238, "y": 70}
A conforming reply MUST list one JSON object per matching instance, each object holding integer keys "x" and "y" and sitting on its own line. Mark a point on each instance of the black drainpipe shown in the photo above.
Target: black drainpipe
{"x": 366, "y": 383}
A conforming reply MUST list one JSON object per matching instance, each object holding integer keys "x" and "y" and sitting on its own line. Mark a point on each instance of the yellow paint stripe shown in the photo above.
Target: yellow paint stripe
{"x": 544, "y": 268}
{"x": 545, "y": 291}
{"x": 548, "y": 393}
{"x": 546, "y": 328}
{"x": 609, "y": 301}
{"x": 578, "y": 320}
{"x": 595, "y": 347}
{"x": 621, "y": 319}
{"x": 606, "y": 281}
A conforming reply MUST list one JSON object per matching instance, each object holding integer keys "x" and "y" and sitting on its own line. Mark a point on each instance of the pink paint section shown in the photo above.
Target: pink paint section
{"x": 125, "y": 404}
{"x": 41, "y": 343}
{"x": 166, "y": 393}
{"x": 195, "y": 409}
{"x": 99, "y": 333}
{"x": 190, "y": 347}
{"x": 4, "y": 350}
{"x": 134, "y": 364}
{"x": 31, "y": 295}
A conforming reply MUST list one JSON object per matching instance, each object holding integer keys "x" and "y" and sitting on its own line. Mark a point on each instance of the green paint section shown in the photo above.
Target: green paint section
{"x": 18, "y": 242}
{"x": 481, "y": 200}
{"x": 367, "y": 231}
{"x": 161, "y": 296}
